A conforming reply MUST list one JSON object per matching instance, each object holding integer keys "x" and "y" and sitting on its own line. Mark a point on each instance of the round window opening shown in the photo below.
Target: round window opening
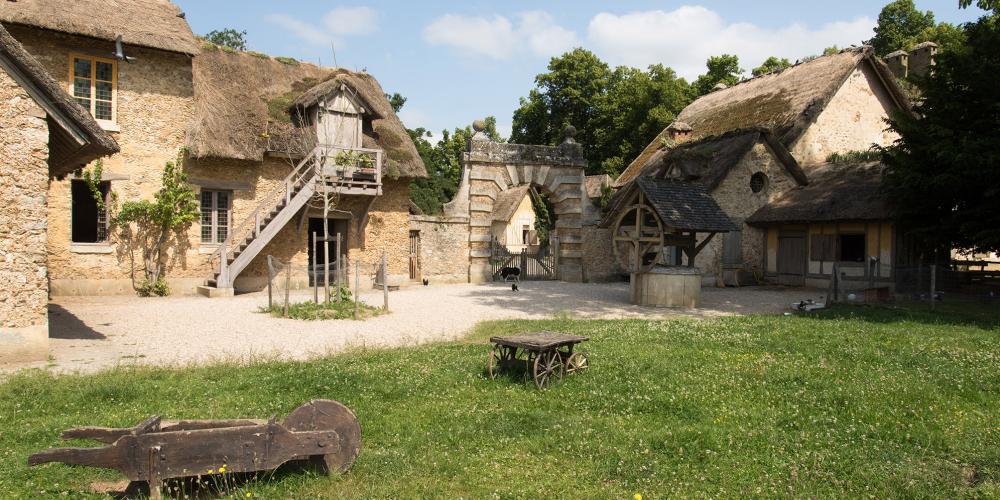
{"x": 758, "y": 182}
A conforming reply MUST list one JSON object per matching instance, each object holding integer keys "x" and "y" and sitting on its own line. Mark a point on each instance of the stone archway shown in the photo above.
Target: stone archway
{"x": 491, "y": 168}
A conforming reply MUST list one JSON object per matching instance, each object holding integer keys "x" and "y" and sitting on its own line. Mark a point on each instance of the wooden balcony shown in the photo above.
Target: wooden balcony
{"x": 355, "y": 171}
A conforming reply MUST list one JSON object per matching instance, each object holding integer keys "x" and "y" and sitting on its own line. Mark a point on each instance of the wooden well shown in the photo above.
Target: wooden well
{"x": 667, "y": 286}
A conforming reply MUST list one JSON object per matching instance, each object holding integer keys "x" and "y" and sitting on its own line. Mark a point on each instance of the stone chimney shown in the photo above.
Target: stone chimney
{"x": 922, "y": 59}
{"x": 679, "y": 132}
{"x": 898, "y": 63}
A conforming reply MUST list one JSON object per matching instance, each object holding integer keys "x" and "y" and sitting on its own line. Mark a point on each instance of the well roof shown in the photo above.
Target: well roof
{"x": 238, "y": 94}
{"x": 149, "y": 23}
{"x": 681, "y": 205}
{"x": 76, "y": 139}
{"x": 783, "y": 102}
{"x": 836, "y": 192}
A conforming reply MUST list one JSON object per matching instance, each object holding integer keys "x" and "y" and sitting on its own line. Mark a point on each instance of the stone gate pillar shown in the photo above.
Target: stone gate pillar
{"x": 558, "y": 171}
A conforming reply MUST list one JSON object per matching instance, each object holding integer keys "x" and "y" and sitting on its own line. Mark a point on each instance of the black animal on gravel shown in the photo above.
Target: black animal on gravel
{"x": 508, "y": 273}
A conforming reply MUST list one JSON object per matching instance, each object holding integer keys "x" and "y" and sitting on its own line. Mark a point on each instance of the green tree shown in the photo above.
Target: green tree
{"x": 724, "y": 69}
{"x": 993, "y": 5}
{"x": 617, "y": 112}
{"x": 899, "y": 23}
{"x": 831, "y": 50}
{"x": 941, "y": 175}
{"x": 948, "y": 37}
{"x": 570, "y": 93}
{"x": 772, "y": 64}
{"x": 228, "y": 37}
{"x": 396, "y": 101}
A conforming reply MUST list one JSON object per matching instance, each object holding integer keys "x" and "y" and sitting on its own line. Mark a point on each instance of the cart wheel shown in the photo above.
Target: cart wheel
{"x": 548, "y": 368}
{"x": 329, "y": 415}
{"x": 499, "y": 360}
{"x": 577, "y": 362}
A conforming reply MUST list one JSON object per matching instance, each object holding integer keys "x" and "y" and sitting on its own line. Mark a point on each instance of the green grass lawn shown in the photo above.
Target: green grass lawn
{"x": 859, "y": 401}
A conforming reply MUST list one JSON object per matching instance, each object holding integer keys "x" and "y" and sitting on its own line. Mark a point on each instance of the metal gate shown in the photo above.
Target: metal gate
{"x": 414, "y": 255}
{"x": 535, "y": 264}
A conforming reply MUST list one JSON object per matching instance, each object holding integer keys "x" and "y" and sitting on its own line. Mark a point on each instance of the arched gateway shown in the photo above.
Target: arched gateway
{"x": 491, "y": 169}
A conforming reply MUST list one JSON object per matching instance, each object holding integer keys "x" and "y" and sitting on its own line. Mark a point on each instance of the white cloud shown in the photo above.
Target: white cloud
{"x": 351, "y": 20}
{"x": 499, "y": 38}
{"x": 305, "y": 31}
{"x": 684, "y": 38}
{"x": 337, "y": 24}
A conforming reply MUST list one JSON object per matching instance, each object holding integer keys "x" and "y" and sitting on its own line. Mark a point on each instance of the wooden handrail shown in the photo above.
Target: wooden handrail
{"x": 251, "y": 223}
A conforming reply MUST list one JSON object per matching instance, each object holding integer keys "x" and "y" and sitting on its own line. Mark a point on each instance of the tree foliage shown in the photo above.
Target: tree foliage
{"x": 724, "y": 69}
{"x": 147, "y": 226}
{"x": 770, "y": 65}
{"x": 898, "y": 23}
{"x": 617, "y": 112}
{"x": 228, "y": 37}
{"x": 993, "y": 5}
{"x": 942, "y": 173}
{"x": 396, "y": 101}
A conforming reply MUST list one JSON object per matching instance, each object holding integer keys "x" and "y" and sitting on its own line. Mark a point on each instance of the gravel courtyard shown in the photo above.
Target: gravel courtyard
{"x": 93, "y": 333}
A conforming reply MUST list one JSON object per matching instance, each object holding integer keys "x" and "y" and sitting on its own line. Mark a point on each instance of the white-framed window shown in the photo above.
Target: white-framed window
{"x": 215, "y": 207}
{"x": 94, "y": 84}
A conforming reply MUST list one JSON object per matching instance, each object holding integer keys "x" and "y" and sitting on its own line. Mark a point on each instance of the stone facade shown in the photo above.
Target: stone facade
{"x": 444, "y": 248}
{"x": 853, "y": 120}
{"x": 557, "y": 171}
{"x": 24, "y": 181}
{"x": 154, "y": 106}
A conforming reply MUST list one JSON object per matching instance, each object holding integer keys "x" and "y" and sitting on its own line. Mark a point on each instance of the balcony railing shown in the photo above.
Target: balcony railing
{"x": 354, "y": 170}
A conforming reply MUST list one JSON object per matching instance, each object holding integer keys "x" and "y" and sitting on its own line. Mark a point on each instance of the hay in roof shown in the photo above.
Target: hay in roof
{"x": 148, "y": 23}
{"x": 244, "y": 104}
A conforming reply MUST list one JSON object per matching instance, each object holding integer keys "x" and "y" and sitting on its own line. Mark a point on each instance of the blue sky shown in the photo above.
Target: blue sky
{"x": 458, "y": 61}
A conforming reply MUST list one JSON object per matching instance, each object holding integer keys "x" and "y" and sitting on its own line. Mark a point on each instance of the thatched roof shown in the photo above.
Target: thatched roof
{"x": 242, "y": 106}
{"x": 507, "y": 202}
{"x": 147, "y": 23}
{"x": 680, "y": 205}
{"x": 707, "y": 161}
{"x": 783, "y": 102}
{"x": 75, "y": 139}
{"x": 836, "y": 193}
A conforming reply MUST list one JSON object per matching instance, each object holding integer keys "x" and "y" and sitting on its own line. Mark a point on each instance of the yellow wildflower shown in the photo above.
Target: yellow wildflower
{"x": 637, "y": 496}
{"x": 249, "y": 494}
{"x": 222, "y": 469}
{"x": 211, "y": 471}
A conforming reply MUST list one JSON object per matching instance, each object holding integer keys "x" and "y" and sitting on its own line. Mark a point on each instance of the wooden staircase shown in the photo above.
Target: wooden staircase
{"x": 247, "y": 240}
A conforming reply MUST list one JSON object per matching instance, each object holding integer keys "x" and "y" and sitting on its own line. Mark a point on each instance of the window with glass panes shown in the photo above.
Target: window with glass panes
{"x": 214, "y": 216}
{"x": 94, "y": 81}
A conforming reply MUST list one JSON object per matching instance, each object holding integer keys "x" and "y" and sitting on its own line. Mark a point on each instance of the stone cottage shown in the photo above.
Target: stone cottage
{"x": 45, "y": 136}
{"x": 260, "y": 138}
{"x": 783, "y": 154}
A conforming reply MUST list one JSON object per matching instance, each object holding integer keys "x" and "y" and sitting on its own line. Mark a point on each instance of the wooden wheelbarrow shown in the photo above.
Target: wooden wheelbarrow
{"x": 322, "y": 431}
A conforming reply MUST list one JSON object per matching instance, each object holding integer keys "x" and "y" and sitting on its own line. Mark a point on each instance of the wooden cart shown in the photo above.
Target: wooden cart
{"x": 547, "y": 356}
{"x": 323, "y": 431}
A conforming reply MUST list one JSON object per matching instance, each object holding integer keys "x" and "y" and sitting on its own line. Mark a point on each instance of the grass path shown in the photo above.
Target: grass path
{"x": 855, "y": 402}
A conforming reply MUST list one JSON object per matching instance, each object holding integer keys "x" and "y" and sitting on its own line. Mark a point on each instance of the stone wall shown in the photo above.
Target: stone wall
{"x": 599, "y": 263}
{"x": 155, "y": 105}
{"x": 557, "y": 171}
{"x": 24, "y": 175}
{"x": 444, "y": 248}
{"x": 738, "y": 201}
{"x": 852, "y": 121}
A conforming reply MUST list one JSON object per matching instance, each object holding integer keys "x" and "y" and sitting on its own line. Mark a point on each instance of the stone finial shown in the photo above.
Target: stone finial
{"x": 569, "y": 134}
{"x": 479, "y": 126}
{"x": 679, "y": 126}
{"x": 679, "y": 131}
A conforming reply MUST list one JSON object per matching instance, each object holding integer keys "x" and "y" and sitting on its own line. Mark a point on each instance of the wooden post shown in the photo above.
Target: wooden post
{"x": 830, "y": 299}
{"x": 288, "y": 284}
{"x": 326, "y": 260}
{"x": 312, "y": 270}
{"x": 933, "y": 283}
{"x": 357, "y": 286}
{"x": 338, "y": 272}
{"x": 270, "y": 277}
{"x": 385, "y": 283}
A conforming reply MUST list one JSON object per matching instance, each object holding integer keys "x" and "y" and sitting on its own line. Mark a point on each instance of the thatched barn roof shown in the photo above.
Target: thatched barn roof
{"x": 243, "y": 103}
{"x": 783, "y": 102}
{"x": 507, "y": 202}
{"x": 680, "y": 205}
{"x": 707, "y": 161}
{"x": 836, "y": 193}
{"x": 75, "y": 139}
{"x": 148, "y": 23}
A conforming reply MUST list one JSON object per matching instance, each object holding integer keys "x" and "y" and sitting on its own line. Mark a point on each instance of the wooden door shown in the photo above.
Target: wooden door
{"x": 414, "y": 255}
{"x": 792, "y": 259}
